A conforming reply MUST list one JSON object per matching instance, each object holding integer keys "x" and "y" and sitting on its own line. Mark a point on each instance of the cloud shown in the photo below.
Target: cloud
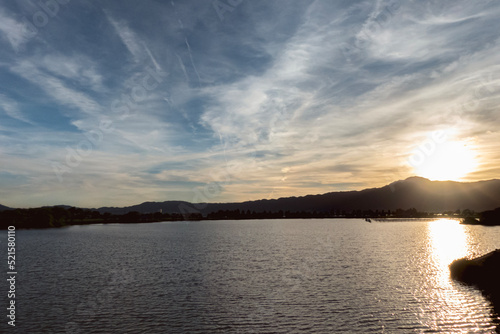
{"x": 137, "y": 48}
{"x": 128, "y": 38}
{"x": 57, "y": 88}
{"x": 14, "y": 31}
{"x": 77, "y": 68}
{"x": 286, "y": 109}
{"x": 11, "y": 108}
{"x": 275, "y": 100}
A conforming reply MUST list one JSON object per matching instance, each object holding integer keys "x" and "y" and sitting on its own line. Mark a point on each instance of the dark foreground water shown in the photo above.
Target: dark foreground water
{"x": 265, "y": 276}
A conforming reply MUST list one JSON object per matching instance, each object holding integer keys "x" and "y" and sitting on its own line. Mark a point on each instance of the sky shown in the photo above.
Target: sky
{"x": 114, "y": 103}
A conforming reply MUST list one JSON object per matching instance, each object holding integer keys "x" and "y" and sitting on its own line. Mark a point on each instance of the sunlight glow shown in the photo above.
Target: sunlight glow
{"x": 452, "y": 160}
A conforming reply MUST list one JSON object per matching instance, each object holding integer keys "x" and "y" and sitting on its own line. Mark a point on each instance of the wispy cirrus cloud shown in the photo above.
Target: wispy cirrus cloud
{"x": 359, "y": 103}
{"x": 11, "y": 108}
{"x": 277, "y": 99}
{"x": 137, "y": 48}
{"x": 57, "y": 88}
{"x": 13, "y": 31}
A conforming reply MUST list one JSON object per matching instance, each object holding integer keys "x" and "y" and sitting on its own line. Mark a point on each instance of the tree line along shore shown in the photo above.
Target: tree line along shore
{"x": 50, "y": 217}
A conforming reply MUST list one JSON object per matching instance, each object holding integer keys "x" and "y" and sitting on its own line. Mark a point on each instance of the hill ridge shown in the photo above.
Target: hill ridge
{"x": 424, "y": 195}
{"x": 414, "y": 192}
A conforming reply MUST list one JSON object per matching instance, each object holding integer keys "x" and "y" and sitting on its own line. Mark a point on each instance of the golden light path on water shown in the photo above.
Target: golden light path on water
{"x": 449, "y": 240}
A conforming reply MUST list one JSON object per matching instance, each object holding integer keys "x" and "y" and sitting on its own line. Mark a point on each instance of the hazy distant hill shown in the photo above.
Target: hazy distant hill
{"x": 3, "y": 207}
{"x": 146, "y": 207}
{"x": 414, "y": 192}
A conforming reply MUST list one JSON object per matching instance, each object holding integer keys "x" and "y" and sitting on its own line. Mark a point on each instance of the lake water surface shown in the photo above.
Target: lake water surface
{"x": 260, "y": 276}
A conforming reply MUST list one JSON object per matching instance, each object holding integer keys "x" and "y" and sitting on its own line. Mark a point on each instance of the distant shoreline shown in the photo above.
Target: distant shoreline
{"x": 53, "y": 217}
{"x": 104, "y": 222}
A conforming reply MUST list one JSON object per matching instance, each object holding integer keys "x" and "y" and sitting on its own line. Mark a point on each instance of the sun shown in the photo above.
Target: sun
{"x": 451, "y": 160}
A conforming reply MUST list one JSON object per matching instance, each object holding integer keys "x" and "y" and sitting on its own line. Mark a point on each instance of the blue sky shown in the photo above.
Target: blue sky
{"x": 119, "y": 102}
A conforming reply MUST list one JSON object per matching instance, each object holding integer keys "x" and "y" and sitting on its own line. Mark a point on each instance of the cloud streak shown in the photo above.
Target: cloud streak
{"x": 277, "y": 99}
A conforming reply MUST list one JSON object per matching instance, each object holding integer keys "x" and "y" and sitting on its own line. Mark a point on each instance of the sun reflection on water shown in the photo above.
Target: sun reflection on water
{"x": 451, "y": 305}
{"x": 449, "y": 241}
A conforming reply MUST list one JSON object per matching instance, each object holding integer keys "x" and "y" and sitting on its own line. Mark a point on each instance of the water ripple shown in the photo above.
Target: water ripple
{"x": 283, "y": 276}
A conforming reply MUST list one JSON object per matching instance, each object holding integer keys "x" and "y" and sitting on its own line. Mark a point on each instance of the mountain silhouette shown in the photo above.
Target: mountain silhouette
{"x": 414, "y": 192}
{"x": 3, "y": 207}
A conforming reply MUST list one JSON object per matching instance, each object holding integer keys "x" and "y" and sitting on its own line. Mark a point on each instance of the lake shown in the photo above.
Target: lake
{"x": 255, "y": 276}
